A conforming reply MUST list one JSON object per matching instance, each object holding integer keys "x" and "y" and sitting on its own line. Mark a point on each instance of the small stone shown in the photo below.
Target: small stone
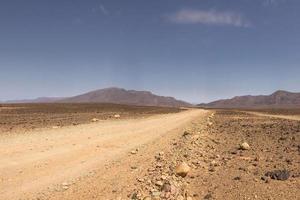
{"x": 208, "y": 196}
{"x": 159, "y": 183}
{"x": 117, "y": 116}
{"x": 278, "y": 175}
{"x": 155, "y": 194}
{"x": 166, "y": 187}
{"x": 133, "y": 152}
{"x": 186, "y": 133}
{"x": 65, "y": 187}
{"x": 158, "y": 165}
{"x": 65, "y": 184}
{"x": 244, "y": 146}
{"x": 133, "y": 167}
{"x": 94, "y": 120}
{"x": 213, "y": 163}
{"x": 140, "y": 180}
{"x": 182, "y": 169}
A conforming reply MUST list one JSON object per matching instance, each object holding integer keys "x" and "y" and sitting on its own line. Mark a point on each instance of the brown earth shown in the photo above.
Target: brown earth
{"x": 41, "y": 163}
{"x": 26, "y": 117}
{"x": 137, "y": 158}
{"x": 220, "y": 169}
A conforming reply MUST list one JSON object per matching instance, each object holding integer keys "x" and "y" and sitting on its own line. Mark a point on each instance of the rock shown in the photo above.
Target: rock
{"x": 65, "y": 187}
{"x": 186, "y": 133}
{"x": 94, "y": 120}
{"x": 214, "y": 163}
{"x": 209, "y": 124}
{"x": 134, "y": 196}
{"x": 278, "y": 174}
{"x": 158, "y": 165}
{"x": 133, "y": 152}
{"x": 133, "y": 167}
{"x": 140, "y": 179}
{"x": 159, "y": 183}
{"x": 244, "y": 146}
{"x": 65, "y": 184}
{"x": 208, "y": 196}
{"x": 182, "y": 169}
{"x": 55, "y": 127}
{"x": 117, "y": 116}
{"x": 166, "y": 187}
{"x": 155, "y": 194}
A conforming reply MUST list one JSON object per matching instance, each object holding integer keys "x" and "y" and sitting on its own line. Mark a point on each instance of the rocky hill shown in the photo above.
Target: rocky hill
{"x": 279, "y": 99}
{"x": 122, "y": 96}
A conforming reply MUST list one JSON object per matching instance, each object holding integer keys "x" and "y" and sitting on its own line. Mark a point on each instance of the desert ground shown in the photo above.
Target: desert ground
{"x": 101, "y": 151}
{"x": 26, "y": 117}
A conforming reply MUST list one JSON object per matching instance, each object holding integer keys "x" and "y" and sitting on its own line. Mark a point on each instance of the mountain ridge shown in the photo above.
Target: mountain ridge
{"x": 112, "y": 95}
{"x": 123, "y": 96}
{"x": 278, "y": 99}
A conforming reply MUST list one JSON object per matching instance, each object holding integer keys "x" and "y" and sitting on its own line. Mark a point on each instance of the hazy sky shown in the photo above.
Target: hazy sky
{"x": 195, "y": 50}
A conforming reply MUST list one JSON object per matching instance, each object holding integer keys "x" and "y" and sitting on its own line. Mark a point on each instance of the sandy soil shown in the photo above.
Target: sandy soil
{"x": 48, "y": 163}
{"x": 137, "y": 159}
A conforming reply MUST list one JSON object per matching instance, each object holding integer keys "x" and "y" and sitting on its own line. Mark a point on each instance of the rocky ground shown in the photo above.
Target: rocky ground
{"x": 233, "y": 155}
{"x": 191, "y": 155}
{"x": 27, "y": 117}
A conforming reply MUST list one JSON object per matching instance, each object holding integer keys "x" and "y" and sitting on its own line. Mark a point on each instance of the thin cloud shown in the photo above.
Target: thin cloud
{"x": 103, "y": 10}
{"x": 100, "y": 9}
{"x": 210, "y": 17}
{"x": 272, "y": 2}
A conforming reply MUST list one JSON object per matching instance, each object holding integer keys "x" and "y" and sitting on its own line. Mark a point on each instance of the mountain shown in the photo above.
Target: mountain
{"x": 279, "y": 99}
{"x": 122, "y": 96}
{"x": 37, "y": 100}
{"x": 112, "y": 95}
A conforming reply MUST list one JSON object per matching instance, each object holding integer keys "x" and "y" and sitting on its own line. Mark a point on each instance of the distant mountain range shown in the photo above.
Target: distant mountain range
{"x": 279, "y": 99}
{"x": 113, "y": 95}
{"x": 37, "y": 100}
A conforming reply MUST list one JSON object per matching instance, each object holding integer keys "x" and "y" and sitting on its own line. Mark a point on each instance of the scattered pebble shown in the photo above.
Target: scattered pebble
{"x": 182, "y": 169}
{"x": 244, "y": 146}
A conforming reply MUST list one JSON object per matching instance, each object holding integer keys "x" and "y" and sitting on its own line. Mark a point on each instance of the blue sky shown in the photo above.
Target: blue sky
{"x": 195, "y": 50}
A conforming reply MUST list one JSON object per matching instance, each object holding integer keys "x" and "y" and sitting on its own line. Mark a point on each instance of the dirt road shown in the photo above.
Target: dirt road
{"x": 40, "y": 161}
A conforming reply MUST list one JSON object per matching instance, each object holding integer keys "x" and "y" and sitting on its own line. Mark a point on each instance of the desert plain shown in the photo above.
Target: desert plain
{"x": 107, "y": 151}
